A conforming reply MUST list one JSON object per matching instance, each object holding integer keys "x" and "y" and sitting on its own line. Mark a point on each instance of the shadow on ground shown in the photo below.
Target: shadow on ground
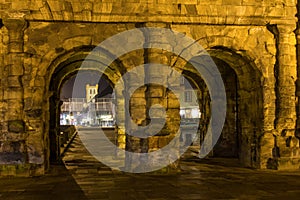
{"x": 58, "y": 184}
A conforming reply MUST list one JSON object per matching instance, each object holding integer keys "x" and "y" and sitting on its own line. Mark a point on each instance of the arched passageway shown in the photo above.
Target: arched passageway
{"x": 242, "y": 128}
{"x": 240, "y": 135}
{"x": 72, "y": 68}
{"x": 244, "y": 119}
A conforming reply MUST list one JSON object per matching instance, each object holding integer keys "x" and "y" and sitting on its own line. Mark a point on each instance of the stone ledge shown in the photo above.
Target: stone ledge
{"x": 21, "y": 170}
{"x": 284, "y": 163}
{"x": 174, "y": 19}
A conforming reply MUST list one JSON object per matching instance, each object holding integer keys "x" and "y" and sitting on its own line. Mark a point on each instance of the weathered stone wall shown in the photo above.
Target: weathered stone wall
{"x": 185, "y": 11}
{"x": 40, "y": 39}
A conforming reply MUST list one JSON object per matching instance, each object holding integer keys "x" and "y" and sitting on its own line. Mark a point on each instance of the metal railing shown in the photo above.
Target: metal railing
{"x": 81, "y": 105}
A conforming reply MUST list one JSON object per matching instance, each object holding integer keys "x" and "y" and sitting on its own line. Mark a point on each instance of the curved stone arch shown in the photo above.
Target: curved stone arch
{"x": 72, "y": 47}
{"x": 251, "y": 122}
{"x": 75, "y": 55}
{"x": 261, "y": 57}
{"x": 250, "y": 81}
{"x": 78, "y": 53}
{"x": 245, "y": 50}
{"x": 51, "y": 60}
{"x": 245, "y": 39}
{"x": 232, "y": 44}
{"x": 62, "y": 68}
{"x": 76, "y": 65}
{"x": 236, "y": 61}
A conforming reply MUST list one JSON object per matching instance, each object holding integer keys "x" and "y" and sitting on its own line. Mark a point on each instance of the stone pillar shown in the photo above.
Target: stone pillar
{"x": 298, "y": 78}
{"x": 296, "y": 148}
{"x": 14, "y": 66}
{"x": 160, "y": 95}
{"x": 141, "y": 98}
{"x": 120, "y": 119}
{"x": 15, "y": 146}
{"x": 136, "y": 105}
{"x": 286, "y": 78}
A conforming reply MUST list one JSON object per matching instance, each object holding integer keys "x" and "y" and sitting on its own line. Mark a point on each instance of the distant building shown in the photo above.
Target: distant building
{"x": 91, "y": 91}
{"x": 189, "y": 107}
{"x": 189, "y": 111}
{"x": 90, "y": 111}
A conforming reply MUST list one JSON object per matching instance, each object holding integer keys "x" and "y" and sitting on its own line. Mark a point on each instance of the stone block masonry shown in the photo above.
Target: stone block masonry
{"x": 42, "y": 43}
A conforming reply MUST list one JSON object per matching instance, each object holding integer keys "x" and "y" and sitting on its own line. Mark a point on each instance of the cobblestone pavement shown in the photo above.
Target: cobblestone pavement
{"x": 83, "y": 177}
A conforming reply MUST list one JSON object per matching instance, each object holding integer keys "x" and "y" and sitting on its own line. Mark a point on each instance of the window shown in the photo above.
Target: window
{"x": 181, "y": 80}
{"x": 188, "y": 96}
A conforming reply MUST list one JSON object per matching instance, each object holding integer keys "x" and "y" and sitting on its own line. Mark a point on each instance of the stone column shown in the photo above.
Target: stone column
{"x": 136, "y": 105}
{"x": 120, "y": 120}
{"x": 160, "y": 95}
{"x": 296, "y": 149}
{"x": 298, "y": 79}
{"x": 141, "y": 102}
{"x": 286, "y": 77}
{"x": 120, "y": 130}
{"x": 15, "y": 146}
{"x": 14, "y": 67}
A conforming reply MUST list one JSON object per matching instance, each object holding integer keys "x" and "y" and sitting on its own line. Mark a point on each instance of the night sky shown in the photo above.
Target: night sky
{"x": 80, "y": 80}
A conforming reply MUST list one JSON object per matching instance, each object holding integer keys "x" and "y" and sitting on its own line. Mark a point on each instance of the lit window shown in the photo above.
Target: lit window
{"x": 181, "y": 80}
{"x": 188, "y": 96}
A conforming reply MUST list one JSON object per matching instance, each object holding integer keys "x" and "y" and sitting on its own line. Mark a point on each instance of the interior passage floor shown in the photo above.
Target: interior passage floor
{"x": 83, "y": 177}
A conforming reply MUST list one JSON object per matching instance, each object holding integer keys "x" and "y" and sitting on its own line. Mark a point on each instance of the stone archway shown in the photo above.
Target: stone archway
{"x": 63, "y": 70}
{"x": 245, "y": 115}
{"x": 244, "y": 122}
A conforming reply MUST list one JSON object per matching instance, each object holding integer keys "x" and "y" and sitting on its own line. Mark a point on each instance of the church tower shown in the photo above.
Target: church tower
{"x": 91, "y": 92}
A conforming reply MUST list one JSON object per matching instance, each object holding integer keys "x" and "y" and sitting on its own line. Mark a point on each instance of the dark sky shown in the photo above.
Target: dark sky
{"x": 80, "y": 80}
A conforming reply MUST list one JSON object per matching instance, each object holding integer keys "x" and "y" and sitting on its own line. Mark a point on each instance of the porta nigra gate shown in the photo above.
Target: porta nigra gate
{"x": 253, "y": 43}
